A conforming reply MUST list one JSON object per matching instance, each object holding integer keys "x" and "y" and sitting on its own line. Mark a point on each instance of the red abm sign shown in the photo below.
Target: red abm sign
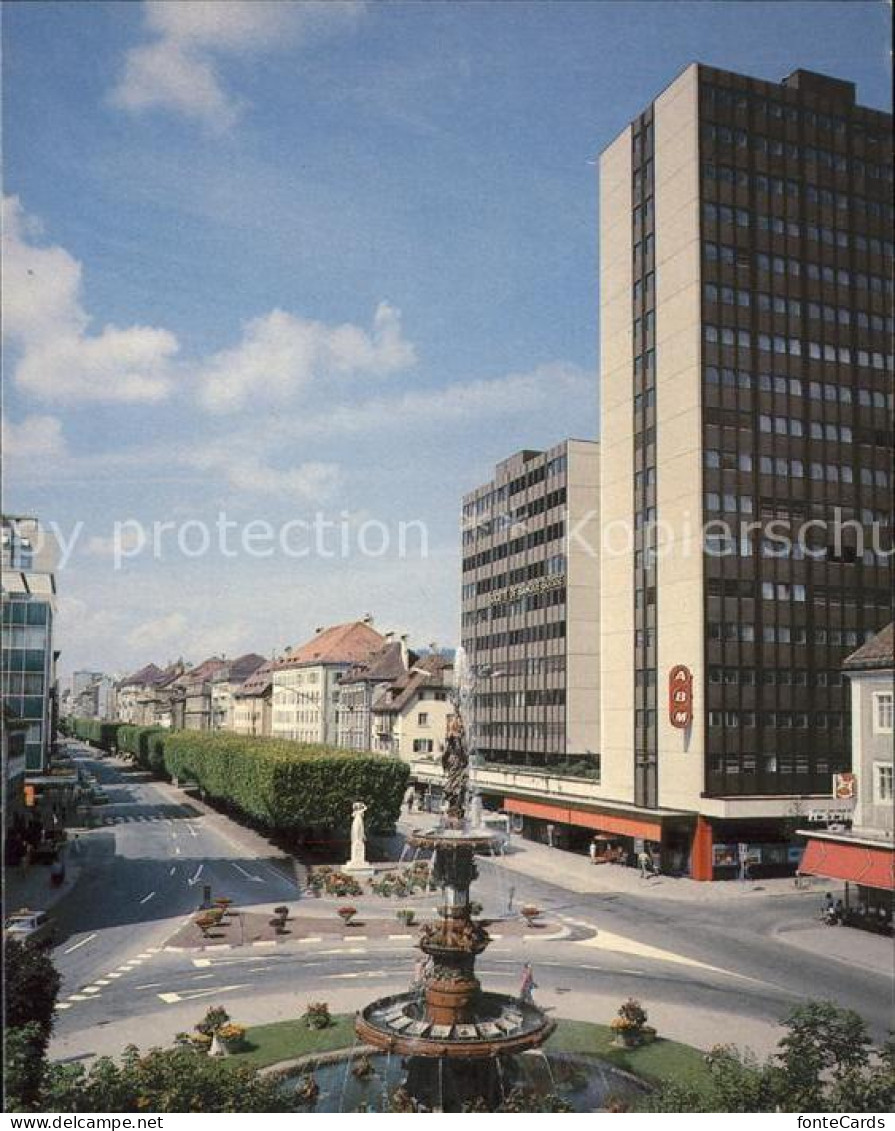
{"x": 680, "y": 696}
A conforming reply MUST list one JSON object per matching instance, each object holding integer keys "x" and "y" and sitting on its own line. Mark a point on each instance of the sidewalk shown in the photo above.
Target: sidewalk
{"x": 851, "y": 945}
{"x": 574, "y": 872}
{"x": 32, "y": 889}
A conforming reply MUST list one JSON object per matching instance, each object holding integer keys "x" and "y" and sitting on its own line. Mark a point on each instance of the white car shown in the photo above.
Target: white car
{"x": 32, "y": 927}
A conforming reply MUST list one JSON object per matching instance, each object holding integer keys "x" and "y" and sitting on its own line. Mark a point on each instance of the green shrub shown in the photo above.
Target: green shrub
{"x": 286, "y": 785}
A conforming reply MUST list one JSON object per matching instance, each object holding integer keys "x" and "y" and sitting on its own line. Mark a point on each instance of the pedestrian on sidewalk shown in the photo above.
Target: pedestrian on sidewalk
{"x": 528, "y": 985}
{"x": 646, "y": 864}
{"x": 510, "y": 896}
{"x": 592, "y": 849}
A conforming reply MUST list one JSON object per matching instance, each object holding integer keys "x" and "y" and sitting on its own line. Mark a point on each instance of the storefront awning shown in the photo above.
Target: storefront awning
{"x": 604, "y": 822}
{"x": 857, "y": 863}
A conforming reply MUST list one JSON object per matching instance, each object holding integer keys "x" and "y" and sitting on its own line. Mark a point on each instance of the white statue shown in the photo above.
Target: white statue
{"x": 358, "y": 836}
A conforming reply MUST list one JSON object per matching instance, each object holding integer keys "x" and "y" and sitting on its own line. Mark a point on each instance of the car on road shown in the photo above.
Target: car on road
{"x": 35, "y": 928}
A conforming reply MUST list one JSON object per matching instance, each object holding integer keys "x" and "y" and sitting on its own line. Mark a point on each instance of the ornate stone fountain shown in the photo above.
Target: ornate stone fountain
{"x": 451, "y": 1023}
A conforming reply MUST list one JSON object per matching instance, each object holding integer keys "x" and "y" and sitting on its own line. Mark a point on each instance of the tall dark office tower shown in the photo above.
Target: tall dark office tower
{"x": 746, "y": 444}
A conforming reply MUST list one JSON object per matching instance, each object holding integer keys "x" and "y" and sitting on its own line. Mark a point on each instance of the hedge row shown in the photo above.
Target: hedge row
{"x": 284, "y": 786}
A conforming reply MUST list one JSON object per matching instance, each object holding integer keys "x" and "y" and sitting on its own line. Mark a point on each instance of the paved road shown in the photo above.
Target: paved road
{"x": 143, "y": 870}
{"x": 707, "y": 971}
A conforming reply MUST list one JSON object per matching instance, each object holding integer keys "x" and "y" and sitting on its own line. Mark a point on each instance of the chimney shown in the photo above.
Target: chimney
{"x": 404, "y": 661}
{"x": 318, "y": 630}
{"x": 389, "y": 636}
{"x": 368, "y": 619}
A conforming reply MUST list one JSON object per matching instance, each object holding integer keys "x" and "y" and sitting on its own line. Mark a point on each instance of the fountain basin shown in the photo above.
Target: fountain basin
{"x": 481, "y": 840}
{"x": 501, "y": 1025}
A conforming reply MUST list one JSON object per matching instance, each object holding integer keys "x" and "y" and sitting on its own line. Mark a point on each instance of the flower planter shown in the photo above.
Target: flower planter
{"x": 627, "y": 1039}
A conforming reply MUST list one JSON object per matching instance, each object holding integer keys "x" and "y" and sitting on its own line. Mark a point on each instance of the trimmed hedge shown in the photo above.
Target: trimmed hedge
{"x": 281, "y": 785}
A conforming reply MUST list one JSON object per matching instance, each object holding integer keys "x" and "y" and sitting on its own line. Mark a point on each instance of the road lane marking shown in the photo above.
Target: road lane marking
{"x": 173, "y": 870}
{"x": 192, "y": 830}
{"x": 395, "y": 938}
{"x": 195, "y": 879}
{"x": 147, "y": 898}
{"x": 358, "y": 974}
{"x": 346, "y": 950}
{"x": 113, "y": 974}
{"x": 190, "y": 995}
{"x": 77, "y": 997}
{"x": 63, "y": 1005}
{"x": 201, "y": 977}
{"x": 311, "y": 938}
{"x": 90, "y": 990}
{"x": 149, "y": 986}
{"x": 102, "y": 981}
{"x": 606, "y": 940}
{"x": 354, "y": 938}
{"x": 177, "y": 851}
{"x": 248, "y": 875}
{"x": 83, "y": 942}
{"x": 201, "y": 961}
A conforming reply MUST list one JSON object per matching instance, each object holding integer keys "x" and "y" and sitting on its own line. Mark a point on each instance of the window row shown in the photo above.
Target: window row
{"x": 765, "y": 222}
{"x": 538, "y": 697}
{"x": 795, "y": 189}
{"x": 784, "y": 112}
{"x": 785, "y": 720}
{"x": 516, "y": 546}
{"x": 531, "y": 634}
{"x": 794, "y": 387}
{"x": 783, "y": 634}
{"x": 791, "y": 468}
{"x": 774, "y": 677}
{"x": 786, "y": 265}
{"x": 776, "y": 147}
{"x": 795, "y": 308}
{"x": 793, "y": 426}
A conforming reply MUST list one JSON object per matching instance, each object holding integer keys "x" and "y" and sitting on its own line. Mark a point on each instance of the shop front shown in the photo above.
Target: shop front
{"x": 865, "y": 865}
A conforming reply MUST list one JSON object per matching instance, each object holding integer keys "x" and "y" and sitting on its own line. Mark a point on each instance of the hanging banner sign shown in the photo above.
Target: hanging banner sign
{"x": 680, "y": 696}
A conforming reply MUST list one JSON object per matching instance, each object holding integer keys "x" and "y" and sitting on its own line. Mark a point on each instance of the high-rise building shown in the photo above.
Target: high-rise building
{"x": 530, "y": 610}
{"x": 28, "y": 557}
{"x": 746, "y": 401}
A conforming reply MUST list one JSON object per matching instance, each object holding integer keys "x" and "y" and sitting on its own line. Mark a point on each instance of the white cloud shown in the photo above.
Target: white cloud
{"x": 59, "y": 360}
{"x": 484, "y": 399}
{"x": 247, "y": 472}
{"x": 35, "y": 438}
{"x": 167, "y": 631}
{"x": 280, "y": 355}
{"x": 176, "y": 71}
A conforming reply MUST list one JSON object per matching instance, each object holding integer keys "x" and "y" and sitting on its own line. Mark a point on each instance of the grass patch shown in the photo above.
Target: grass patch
{"x": 662, "y": 1060}
{"x": 659, "y": 1061}
{"x": 285, "y": 1040}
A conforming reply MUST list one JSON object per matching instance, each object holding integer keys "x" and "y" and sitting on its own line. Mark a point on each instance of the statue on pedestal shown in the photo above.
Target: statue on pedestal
{"x": 455, "y": 764}
{"x": 358, "y": 861}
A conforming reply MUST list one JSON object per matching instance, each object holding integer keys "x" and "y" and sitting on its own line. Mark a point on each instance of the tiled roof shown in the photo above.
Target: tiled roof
{"x": 876, "y": 653}
{"x": 383, "y": 666}
{"x": 258, "y": 683}
{"x": 395, "y": 698}
{"x": 243, "y": 666}
{"x": 146, "y": 676}
{"x": 350, "y": 643}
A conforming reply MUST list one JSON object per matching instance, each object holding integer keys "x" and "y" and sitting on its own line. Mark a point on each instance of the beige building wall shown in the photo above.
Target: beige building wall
{"x": 680, "y": 618}
{"x": 252, "y": 715}
{"x": 616, "y": 601}
{"x": 871, "y": 749}
{"x": 409, "y": 729}
{"x": 583, "y": 598}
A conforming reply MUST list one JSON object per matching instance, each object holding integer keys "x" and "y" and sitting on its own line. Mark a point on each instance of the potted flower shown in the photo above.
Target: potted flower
{"x": 406, "y": 915}
{"x": 346, "y": 914}
{"x": 232, "y": 1036}
{"x": 529, "y": 913}
{"x": 316, "y": 1015}
{"x": 205, "y": 922}
{"x": 223, "y": 902}
{"x": 279, "y": 923}
{"x": 629, "y": 1023}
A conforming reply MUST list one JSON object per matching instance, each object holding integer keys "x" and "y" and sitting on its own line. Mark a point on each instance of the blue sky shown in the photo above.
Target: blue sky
{"x": 276, "y": 260}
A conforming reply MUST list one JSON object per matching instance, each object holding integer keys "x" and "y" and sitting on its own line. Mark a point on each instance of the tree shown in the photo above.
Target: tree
{"x": 162, "y": 1080}
{"x": 825, "y": 1063}
{"x": 32, "y": 986}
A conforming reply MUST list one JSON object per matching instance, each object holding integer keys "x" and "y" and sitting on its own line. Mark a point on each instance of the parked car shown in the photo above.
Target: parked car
{"x": 35, "y": 928}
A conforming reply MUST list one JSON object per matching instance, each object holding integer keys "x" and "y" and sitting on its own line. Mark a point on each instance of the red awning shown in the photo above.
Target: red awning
{"x": 857, "y": 863}
{"x": 604, "y": 822}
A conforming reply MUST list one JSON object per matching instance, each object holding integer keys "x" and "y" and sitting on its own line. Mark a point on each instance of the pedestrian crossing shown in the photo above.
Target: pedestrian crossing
{"x": 94, "y": 990}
